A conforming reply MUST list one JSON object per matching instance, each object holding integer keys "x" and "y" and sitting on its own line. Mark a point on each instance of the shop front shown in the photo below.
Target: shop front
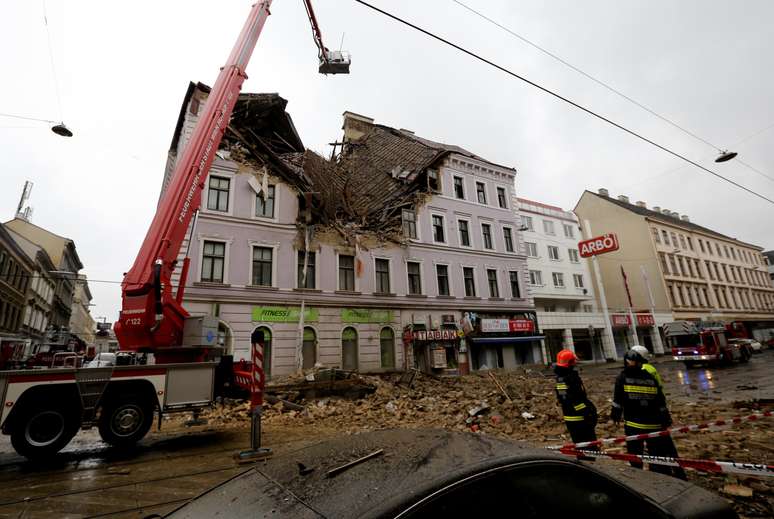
{"x": 645, "y": 329}
{"x": 436, "y": 351}
{"x": 504, "y": 341}
{"x": 621, "y": 324}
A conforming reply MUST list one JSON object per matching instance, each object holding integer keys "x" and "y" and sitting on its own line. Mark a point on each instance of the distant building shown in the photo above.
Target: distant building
{"x": 769, "y": 255}
{"x": 393, "y": 250}
{"x": 16, "y": 271}
{"x": 675, "y": 268}
{"x": 82, "y": 323}
{"x": 560, "y": 283}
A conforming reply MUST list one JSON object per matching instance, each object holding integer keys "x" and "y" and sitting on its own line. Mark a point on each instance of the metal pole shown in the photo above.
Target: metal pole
{"x": 610, "y": 353}
{"x": 658, "y": 346}
{"x": 257, "y": 385}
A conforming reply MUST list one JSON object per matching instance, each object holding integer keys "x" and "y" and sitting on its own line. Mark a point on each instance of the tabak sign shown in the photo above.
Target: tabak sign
{"x": 435, "y": 335}
{"x": 598, "y": 245}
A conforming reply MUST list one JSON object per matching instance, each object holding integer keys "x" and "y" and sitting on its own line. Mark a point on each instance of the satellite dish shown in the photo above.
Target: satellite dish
{"x": 61, "y": 129}
{"x": 725, "y": 156}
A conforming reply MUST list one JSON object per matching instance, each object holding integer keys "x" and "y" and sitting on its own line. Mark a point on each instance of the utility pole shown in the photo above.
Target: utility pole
{"x": 609, "y": 349}
{"x": 658, "y": 346}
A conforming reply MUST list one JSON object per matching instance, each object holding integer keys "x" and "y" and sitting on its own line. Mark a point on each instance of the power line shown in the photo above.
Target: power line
{"x": 59, "y": 276}
{"x": 589, "y": 76}
{"x": 27, "y": 118}
{"x": 560, "y": 97}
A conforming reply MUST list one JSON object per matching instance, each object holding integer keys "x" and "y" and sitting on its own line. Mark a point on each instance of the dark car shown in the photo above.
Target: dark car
{"x": 435, "y": 473}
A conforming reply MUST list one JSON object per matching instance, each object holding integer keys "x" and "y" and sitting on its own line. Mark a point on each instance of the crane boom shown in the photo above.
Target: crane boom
{"x": 151, "y": 317}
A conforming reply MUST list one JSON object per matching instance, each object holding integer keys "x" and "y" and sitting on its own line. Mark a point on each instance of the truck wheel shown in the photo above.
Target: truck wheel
{"x": 125, "y": 420}
{"x": 42, "y": 431}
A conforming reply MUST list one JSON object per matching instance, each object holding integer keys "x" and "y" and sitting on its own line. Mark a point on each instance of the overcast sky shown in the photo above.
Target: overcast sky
{"x": 123, "y": 68}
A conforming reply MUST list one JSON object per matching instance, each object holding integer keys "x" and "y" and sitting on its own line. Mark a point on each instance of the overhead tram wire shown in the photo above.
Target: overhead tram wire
{"x": 613, "y": 89}
{"x": 560, "y": 97}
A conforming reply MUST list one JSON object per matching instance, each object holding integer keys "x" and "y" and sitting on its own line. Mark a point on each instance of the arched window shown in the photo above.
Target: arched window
{"x": 349, "y": 348}
{"x": 387, "y": 347}
{"x": 266, "y": 350}
{"x": 309, "y": 350}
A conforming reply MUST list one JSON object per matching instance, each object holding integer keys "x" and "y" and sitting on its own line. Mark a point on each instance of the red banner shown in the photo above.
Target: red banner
{"x": 620, "y": 320}
{"x": 598, "y": 245}
{"x": 521, "y": 325}
{"x": 645, "y": 320}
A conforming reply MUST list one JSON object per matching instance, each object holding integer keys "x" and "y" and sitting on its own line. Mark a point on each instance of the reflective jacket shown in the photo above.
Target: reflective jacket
{"x": 639, "y": 397}
{"x": 571, "y": 395}
{"x": 650, "y": 368}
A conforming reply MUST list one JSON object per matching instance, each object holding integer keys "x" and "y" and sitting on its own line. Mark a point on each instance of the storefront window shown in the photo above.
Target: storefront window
{"x": 387, "y": 347}
{"x": 349, "y": 348}
{"x": 309, "y": 348}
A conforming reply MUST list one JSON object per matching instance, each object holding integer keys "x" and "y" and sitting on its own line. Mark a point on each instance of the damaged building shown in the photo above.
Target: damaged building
{"x": 395, "y": 252}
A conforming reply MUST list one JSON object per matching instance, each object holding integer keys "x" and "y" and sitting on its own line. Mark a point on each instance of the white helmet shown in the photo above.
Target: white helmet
{"x": 642, "y": 350}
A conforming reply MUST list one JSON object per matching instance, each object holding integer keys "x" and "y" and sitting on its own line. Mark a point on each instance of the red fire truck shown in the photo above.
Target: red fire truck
{"x": 43, "y": 409}
{"x": 695, "y": 342}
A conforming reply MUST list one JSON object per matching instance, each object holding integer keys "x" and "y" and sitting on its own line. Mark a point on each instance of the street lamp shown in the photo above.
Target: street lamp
{"x": 58, "y": 128}
{"x": 726, "y": 155}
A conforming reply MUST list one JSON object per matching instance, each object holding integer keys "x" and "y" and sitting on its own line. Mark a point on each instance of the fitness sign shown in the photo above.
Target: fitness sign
{"x": 598, "y": 245}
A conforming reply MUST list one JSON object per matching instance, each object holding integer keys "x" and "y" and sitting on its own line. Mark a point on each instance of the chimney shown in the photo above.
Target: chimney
{"x": 685, "y": 218}
{"x": 657, "y": 208}
{"x": 675, "y": 215}
{"x": 355, "y": 125}
{"x": 642, "y": 204}
{"x": 666, "y": 212}
{"x": 623, "y": 198}
{"x": 604, "y": 192}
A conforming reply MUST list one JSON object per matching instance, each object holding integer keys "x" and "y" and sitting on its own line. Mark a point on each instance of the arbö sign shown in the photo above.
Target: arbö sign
{"x": 598, "y": 245}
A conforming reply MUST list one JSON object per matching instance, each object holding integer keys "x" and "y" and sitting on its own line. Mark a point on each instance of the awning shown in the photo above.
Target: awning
{"x": 501, "y": 340}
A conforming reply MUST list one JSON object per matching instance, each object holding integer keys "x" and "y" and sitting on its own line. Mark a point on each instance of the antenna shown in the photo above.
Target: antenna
{"x": 21, "y": 212}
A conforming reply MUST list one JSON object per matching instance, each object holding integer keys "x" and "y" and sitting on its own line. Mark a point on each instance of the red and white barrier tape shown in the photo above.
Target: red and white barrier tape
{"x": 674, "y": 431}
{"x": 726, "y": 467}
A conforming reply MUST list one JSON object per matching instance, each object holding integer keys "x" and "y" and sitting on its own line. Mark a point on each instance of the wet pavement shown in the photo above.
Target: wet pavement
{"x": 89, "y": 479}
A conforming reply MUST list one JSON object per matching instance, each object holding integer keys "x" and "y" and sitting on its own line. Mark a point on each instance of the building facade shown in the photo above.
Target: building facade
{"x": 40, "y": 292}
{"x": 16, "y": 269}
{"x": 769, "y": 255}
{"x": 674, "y": 268}
{"x": 374, "y": 261}
{"x": 82, "y": 324}
{"x": 560, "y": 282}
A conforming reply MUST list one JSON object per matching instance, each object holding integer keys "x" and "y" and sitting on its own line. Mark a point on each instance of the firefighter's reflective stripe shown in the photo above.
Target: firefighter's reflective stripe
{"x": 579, "y": 407}
{"x": 573, "y": 418}
{"x": 646, "y": 426}
{"x": 650, "y": 390}
{"x": 561, "y": 386}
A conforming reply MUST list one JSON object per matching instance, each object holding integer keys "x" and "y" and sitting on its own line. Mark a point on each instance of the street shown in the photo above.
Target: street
{"x": 169, "y": 467}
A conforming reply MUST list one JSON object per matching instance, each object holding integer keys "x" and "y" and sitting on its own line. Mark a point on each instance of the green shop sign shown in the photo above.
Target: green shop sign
{"x": 284, "y": 314}
{"x": 365, "y": 315}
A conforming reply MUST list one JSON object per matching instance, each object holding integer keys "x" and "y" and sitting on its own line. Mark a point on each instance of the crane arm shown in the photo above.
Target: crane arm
{"x": 151, "y": 317}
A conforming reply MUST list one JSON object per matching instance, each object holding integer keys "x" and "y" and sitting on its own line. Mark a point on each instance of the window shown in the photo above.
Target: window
{"x": 442, "y": 276}
{"x": 464, "y": 233}
{"x": 569, "y": 232}
{"x": 573, "y": 255}
{"x": 531, "y": 249}
{"x": 409, "y": 219}
{"x": 262, "y": 257}
{"x": 548, "y": 227}
{"x": 459, "y": 189}
{"x": 656, "y": 236}
{"x": 717, "y": 249}
{"x": 501, "y": 198}
{"x": 588, "y": 308}
{"x": 558, "y": 279}
{"x": 535, "y": 277}
{"x": 382, "y": 275}
{"x": 349, "y": 348}
{"x": 438, "y": 234}
{"x": 674, "y": 239}
{"x": 346, "y": 272}
{"x": 217, "y": 196}
{"x": 666, "y": 237}
{"x": 491, "y": 277}
{"x": 578, "y": 279}
{"x": 264, "y": 203}
{"x": 414, "y": 278}
{"x": 513, "y": 277}
{"x": 549, "y": 308}
{"x": 682, "y": 242}
{"x": 213, "y": 259}
{"x": 526, "y": 222}
{"x": 690, "y": 242}
{"x": 486, "y": 230}
{"x": 432, "y": 180}
{"x": 725, "y": 248}
{"x": 701, "y": 245}
{"x": 508, "y": 237}
{"x": 470, "y": 282}
{"x": 733, "y": 253}
{"x": 387, "y": 347}
{"x": 553, "y": 253}
{"x": 309, "y": 282}
{"x": 481, "y": 192}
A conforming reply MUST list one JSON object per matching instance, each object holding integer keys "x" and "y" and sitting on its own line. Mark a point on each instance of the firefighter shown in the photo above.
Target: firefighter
{"x": 647, "y": 366}
{"x": 640, "y": 400}
{"x": 580, "y": 415}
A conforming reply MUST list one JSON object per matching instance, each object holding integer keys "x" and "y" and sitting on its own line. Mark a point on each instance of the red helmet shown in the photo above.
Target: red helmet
{"x": 566, "y": 358}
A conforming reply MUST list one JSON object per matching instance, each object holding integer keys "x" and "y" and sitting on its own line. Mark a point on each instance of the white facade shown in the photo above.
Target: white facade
{"x": 560, "y": 282}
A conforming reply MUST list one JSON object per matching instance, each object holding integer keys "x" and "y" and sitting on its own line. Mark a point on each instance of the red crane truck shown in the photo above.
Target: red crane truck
{"x": 44, "y": 409}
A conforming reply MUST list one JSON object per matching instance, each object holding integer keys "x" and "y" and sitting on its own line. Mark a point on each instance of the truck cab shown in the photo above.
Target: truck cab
{"x": 703, "y": 342}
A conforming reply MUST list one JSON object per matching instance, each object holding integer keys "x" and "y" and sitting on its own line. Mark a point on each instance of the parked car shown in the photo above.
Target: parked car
{"x": 439, "y": 473}
{"x": 754, "y": 345}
